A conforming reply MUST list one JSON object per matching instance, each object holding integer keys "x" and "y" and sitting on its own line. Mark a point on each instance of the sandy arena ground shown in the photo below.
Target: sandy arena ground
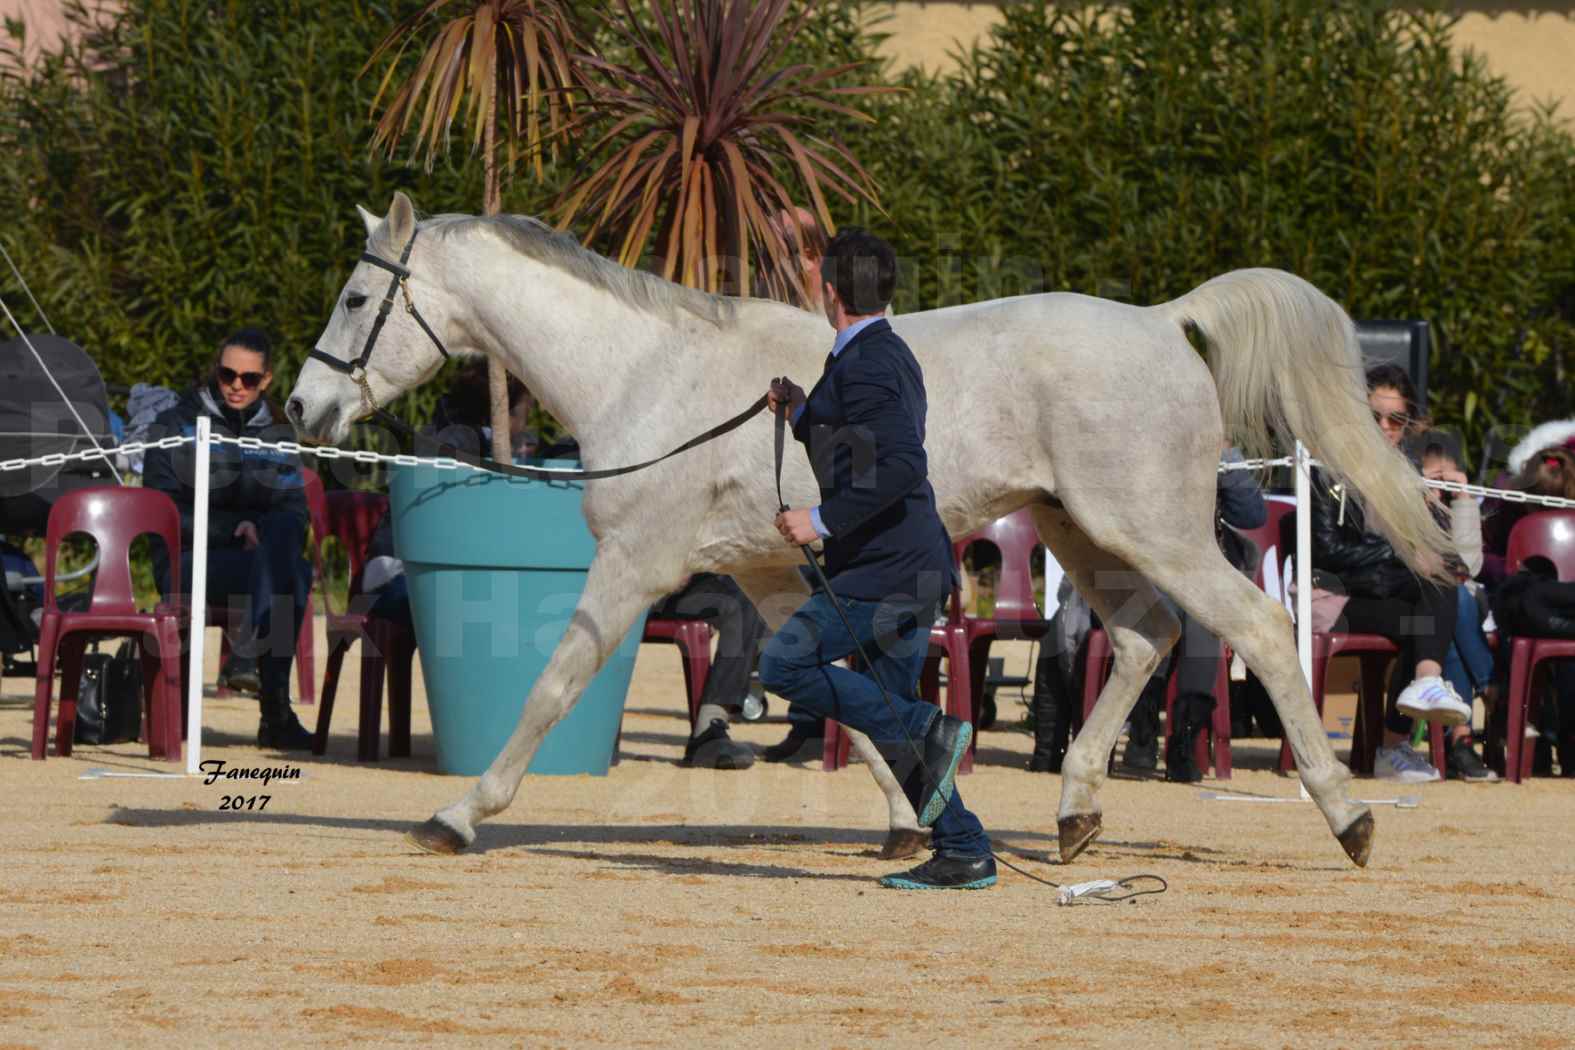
{"x": 661, "y": 906}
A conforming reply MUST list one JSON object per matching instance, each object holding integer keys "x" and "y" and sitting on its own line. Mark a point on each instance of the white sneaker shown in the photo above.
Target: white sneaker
{"x": 1434, "y": 700}
{"x": 1403, "y": 764}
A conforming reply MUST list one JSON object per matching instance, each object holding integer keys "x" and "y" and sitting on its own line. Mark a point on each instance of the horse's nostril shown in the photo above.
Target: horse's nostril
{"x": 295, "y": 408}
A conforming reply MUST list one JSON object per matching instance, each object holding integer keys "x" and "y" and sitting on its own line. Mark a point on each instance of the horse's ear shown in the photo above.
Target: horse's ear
{"x": 401, "y": 220}
{"x": 371, "y": 221}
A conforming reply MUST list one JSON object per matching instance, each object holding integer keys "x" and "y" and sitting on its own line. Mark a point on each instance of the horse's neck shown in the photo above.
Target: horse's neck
{"x": 579, "y": 348}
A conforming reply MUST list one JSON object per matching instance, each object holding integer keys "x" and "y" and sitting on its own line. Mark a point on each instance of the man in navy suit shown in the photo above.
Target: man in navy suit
{"x": 888, "y": 559}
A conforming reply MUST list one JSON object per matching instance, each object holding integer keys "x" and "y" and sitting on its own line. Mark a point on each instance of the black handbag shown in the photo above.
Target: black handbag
{"x": 109, "y": 701}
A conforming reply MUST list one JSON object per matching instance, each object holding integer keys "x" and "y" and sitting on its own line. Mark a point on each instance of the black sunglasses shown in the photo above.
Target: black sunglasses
{"x": 1399, "y": 419}
{"x": 249, "y": 380}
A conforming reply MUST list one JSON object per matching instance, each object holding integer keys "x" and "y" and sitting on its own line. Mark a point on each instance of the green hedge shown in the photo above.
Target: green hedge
{"x": 198, "y": 168}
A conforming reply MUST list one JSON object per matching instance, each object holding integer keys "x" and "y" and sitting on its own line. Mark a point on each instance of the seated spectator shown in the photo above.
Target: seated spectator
{"x": 257, "y": 520}
{"x": 464, "y": 415}
{"x": 1367, "y": 589}
{"x": 1469, "y": 664}
{"x": 740, "y": 632}
{"x": 1239, "y": 505}
{"x": 1545, "y": 471}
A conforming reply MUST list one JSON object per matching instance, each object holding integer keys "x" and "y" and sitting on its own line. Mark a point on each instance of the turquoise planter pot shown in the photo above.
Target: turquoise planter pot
{"x": 495, "y": 567}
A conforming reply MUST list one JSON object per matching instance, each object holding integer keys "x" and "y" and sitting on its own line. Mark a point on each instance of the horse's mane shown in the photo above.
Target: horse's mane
{"x": 645, "y": 291}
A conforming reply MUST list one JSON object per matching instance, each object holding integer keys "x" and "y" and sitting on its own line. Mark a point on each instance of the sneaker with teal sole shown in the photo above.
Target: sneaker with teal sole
{"x": 945, "y": 871}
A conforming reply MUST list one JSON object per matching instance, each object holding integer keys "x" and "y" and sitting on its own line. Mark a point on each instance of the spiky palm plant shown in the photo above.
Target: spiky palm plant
{"x": 500, "y": 63}
{"x": 706, "y": 134}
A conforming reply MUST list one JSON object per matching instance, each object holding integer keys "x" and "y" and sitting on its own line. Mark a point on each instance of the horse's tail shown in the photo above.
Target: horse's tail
{"x": 1286, "y": 361}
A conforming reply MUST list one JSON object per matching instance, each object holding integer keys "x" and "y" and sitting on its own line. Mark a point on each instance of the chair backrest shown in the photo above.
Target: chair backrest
{"x": 1015, "y": 537}
{"x": 1546, "y": 534}
{"x": 1271, "y": 546}
{"x": 353, "y": 518}
{"x": 113, "y": 517}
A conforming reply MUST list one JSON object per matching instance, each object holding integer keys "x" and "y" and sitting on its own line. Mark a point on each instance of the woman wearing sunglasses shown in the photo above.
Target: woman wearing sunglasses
{"x": 257, "y": 519}
{"x": 1378, "y": 594}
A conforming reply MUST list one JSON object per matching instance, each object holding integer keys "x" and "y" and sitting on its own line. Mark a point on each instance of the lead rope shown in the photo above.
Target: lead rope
{"x": 1089, "y": 891}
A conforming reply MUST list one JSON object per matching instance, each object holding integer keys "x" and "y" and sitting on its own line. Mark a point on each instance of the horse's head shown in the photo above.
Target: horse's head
{"x": 374, "y": 347}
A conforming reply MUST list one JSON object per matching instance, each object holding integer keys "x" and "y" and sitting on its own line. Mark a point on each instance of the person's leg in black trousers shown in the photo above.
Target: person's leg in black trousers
{"x": 719, "y": 601}
{"x": 1198, "y": 649}
{"x": 1423, "y": 626}
{"x": 265, "y": 590}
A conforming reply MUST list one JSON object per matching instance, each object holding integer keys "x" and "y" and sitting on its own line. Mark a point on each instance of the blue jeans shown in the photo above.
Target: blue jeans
{"x": 1469, "y": 665}
{"x": 800, "y": 663}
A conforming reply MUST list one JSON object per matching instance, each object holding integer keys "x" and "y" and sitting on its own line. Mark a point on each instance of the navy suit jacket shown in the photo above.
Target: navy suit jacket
{"x": 863, "y": 426}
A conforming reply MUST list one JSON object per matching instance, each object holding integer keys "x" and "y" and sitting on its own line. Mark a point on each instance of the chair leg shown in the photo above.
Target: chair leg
{"x": 1221, "y": 732}
{"x": 44, "y": 684}
{"x": 960, "y": 698}
{"x": 152, "y": 695}
{"x": 225, "y": 652}
{"x": 337, "y": 647}
{"x": 72, "y": 649}
{"x": 1517, "y": 701}
{"x": 173, "y": 700}
{"x": 399, "y": 667}
{"x": 1370, "y": 714}
{"x": 306, "y": 661}
{"x": 696, "y": 643}
{"x": 930, "y": 677}
{"x": 371, "y": 704}
{"x": 1437, "y": 747}
{"x": 832, "y": 751}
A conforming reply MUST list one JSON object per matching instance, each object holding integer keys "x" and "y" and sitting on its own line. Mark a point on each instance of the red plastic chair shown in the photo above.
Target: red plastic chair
{"x": 693, "y": 638}
{"x": 1375, "y": 652}
{"x": 352, "y": 518}
{"x": 305, "y": 644}
{"x": 113, "y": 517}
{"x": 1546, "y": 534}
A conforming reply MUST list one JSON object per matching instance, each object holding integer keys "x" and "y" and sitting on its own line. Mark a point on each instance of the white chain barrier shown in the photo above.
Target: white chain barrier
{"x": 367, "y": 456}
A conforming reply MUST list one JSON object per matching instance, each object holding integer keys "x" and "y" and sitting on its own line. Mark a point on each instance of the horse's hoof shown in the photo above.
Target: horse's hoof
{"x": 1077, "y": 832}
{"x": 436, "y": 837}
{"x": 1357, "y": 840}
{"x": 902, "y": 843}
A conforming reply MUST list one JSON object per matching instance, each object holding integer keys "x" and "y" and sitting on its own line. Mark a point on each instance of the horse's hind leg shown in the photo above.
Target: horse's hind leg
{"x": 1258, "y": 628}
{"x": 613, "y": 597}
{"x": 777, "y": 593}
{"x": 1141, "y": 631}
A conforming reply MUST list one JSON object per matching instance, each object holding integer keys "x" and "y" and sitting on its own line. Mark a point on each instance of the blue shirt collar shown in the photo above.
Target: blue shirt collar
{"x": 845, "y": 336}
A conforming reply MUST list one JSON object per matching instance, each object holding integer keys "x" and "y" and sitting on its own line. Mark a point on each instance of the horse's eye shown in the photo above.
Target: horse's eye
{"x": 354, "y": 302}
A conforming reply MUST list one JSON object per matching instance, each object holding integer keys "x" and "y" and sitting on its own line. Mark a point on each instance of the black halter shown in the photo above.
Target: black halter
{"x": 356, "y": 368}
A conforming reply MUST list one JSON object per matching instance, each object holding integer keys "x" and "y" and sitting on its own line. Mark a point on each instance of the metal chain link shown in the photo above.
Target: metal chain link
{"x": 58, "y": 459}
{"x": 367, "y": 456}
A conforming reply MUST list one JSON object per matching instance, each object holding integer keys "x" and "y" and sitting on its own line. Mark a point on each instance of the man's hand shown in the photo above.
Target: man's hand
{"x": 785, "y": 392}
{"x": 796, "y": 527}
{"x": 247, "y": 531}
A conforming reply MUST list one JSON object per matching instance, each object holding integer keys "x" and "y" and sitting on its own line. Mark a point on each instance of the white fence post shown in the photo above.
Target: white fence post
{"x": 199, "y": 600}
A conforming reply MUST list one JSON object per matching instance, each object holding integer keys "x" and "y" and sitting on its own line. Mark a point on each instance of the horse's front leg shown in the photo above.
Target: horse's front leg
{"x": 614, "y": 596}
{"x": 777, "y": 592}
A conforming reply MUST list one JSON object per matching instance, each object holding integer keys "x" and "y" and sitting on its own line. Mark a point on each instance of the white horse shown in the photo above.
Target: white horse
{"x": 1099, "y": 416}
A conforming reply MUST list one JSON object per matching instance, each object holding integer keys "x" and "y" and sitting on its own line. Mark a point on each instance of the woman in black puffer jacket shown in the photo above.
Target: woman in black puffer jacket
{"x": 257, "y": 518}
{"x": 1384, "y": 597}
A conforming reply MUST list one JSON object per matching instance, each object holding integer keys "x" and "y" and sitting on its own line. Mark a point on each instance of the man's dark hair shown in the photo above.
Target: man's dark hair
{"x": 862, "y": 269}
{"x": 254, "y": 339}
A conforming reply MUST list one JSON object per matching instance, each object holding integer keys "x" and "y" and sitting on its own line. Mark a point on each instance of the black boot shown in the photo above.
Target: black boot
{"x": 1193, "y": 712}
{"x": 1142, "y": 751}
{"x": 1052, "y": 707}
{"x": 279, "y": 728}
